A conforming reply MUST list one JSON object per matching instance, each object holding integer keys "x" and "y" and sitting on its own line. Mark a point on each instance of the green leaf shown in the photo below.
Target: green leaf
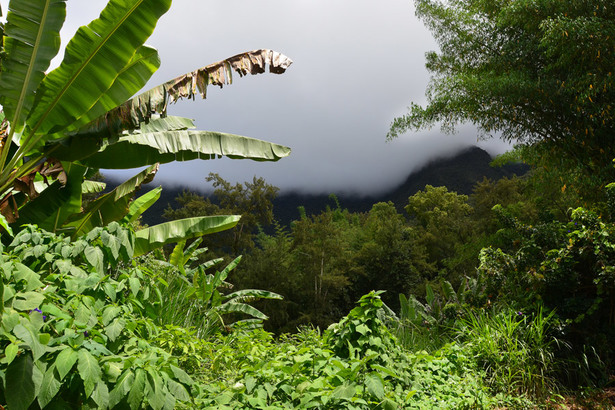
{"x": 32, "y": 39}
{"x": 228, "y": 268}
{"x": 28, "y": 301}
{"x": 193, "y": 249}
{"x": 83, "y": 315}
{"x": 110, "y": 313}
{"x": 385, "y": 370}
{"x": 175, "y": 231}
{"x": 10, "y": 319}
{"x": 55, "y": 204}
{"x": 44, "y": 338}
{"x": 88, "y": 140}
{"x": 176, "y": 258}
{"x": 135, "y": 285}
{"x": 178, "y": 390}
{"x": 142, "y": 204}
{"x": 168, "y": 123}
{"x": 111, "y": 242}
{"x": 101, "y": 395}
{"x": 156, "y": 396}
{"x": 54, "y": 311}
{"x": 169, "y": 401}
{"x": 92, "y": 187}
{"x": 249, "y": 294}
{"x": 129, "y": 80}
{"x": 122, "y": 387}
{"x": 89, "y": 371}
{"x": 11, "y": 352}
{"x": 49, "y": 387}
{"x": 92, "y": 61}
{"x": 234, "y": 307}
{"x": 22, "y": 272}
{"x": 375, "y": 385}
{"x": 115, "y": 328}
{"x": 181, "y": 375}
{"x": 113, "y": 370}
{"x": 429, "y": 294}
{"x": 137, "y": 391}
{"x": 95, "y": 257}
{"x": 5, "y": 224}
{"x": 19, "y": 386}
{"x": 112, "y": 206}
{"x": 448, "y": 291}
{"x": 140, "y": 149}
{"x": 65, "y": 361}
{"x": 388, "y": 404}
{"x": 344, "y": 392}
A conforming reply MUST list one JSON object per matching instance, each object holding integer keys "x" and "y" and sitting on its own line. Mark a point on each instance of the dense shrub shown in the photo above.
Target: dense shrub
{"x": 77, "y": 324}
{"x": 358, "y": 364}
{"x": 568, "y": 267}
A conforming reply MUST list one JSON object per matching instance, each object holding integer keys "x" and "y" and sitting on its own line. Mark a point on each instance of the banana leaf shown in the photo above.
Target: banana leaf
{"x": 112, "y": 206}
{"x": 84, "y": 144}
{"x": 57, "y": 202}
{"x": 129, "y": 80}
{"x": 32, "y": 39}
{"x": 139, "y": 109}
{"x": 142, "y": 204}
{"x": 92, "y": 187}
{"x": 237, "y": 307}
{"x": 175, "y": 231}
{"x": 140, "y": 149}
{"x": 92, "y": 60}
{"x": 248, "y": 295}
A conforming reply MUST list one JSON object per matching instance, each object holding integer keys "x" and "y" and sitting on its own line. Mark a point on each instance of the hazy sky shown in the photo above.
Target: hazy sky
{"x": 357, "y": 64}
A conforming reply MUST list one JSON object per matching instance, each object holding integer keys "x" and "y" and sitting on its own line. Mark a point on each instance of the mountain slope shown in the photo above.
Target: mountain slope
{"x": 459, "y": 173}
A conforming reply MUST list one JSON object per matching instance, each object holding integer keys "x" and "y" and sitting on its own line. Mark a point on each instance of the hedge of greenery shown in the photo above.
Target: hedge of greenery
{"x": 80, "y": 329}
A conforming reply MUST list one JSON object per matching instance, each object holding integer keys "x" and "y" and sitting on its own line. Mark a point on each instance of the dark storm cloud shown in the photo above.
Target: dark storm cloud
{"x": 357, "y": 64}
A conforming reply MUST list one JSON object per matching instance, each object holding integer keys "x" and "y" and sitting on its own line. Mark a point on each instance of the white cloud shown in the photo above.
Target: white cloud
{"x": 358, "y": 64}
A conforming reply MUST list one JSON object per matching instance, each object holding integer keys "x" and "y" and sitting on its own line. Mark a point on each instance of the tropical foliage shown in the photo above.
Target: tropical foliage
{"x": 59, "y": 127}
{"x": 76, "y": 322}
{"x": 252, "y": 200}
{"x": 540, "y": 73}
{"x": 84, "y": 324}
{"x": 507, "y": 295}
{"x": 356, "y": 365}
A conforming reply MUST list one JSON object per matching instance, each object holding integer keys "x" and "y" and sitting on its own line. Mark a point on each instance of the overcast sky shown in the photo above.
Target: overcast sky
{"x": 357, "y": 65}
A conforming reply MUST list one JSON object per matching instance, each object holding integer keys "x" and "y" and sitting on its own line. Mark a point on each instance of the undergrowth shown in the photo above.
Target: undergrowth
{"x": 82, "y": 327}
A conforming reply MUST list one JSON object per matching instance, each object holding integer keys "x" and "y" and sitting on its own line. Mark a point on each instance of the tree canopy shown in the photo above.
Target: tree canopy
{"x": 252, "y": 200}
{"x": 537, "y": 72}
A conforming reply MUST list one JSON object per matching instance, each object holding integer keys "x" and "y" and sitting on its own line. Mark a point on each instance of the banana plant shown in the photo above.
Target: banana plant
{"x": 202, "y": 300}
{"x": 57, "y": 127}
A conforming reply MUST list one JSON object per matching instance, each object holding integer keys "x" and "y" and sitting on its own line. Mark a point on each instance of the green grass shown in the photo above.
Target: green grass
{"x": 516, "y": 351}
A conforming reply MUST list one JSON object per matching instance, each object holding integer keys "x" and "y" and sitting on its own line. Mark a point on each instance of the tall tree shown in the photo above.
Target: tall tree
{"x": 442, "y": 223}
{"x": 253, "y": 201}
{"x": 388, "y": 256}
{"x": 321, "y": 245}
{"x": 540, "y": 72}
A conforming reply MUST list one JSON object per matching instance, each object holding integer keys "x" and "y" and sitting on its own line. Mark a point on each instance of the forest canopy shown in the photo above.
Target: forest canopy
{"x": 535, "y": 72}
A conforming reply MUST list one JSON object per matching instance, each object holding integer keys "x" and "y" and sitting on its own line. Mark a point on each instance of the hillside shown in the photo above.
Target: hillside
{"x": 459, "y": 173}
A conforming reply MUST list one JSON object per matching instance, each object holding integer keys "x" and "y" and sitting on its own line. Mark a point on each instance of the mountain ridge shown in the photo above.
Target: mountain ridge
{"x": 458, "y": 173}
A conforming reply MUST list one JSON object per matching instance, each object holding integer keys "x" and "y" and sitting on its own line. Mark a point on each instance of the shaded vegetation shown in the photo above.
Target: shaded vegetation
{"x": 502, "y": 297}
